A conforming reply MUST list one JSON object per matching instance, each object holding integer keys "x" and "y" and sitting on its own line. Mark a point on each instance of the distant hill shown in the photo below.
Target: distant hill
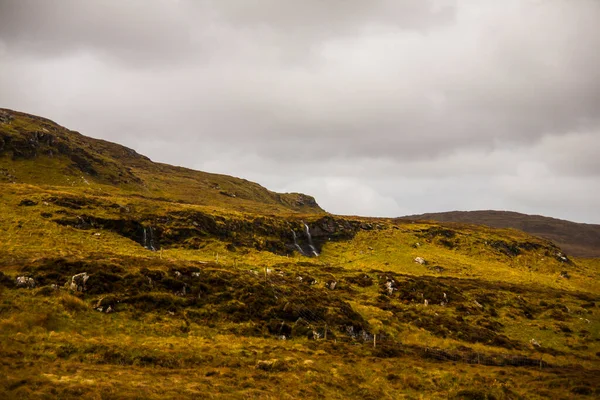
{"x": 36, "y": 150}
{"x": 582, "y": 240}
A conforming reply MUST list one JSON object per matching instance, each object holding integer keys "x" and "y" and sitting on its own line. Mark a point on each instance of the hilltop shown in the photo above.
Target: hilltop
{"x": 121, "y": 278}
{"x": 582, "y": 240}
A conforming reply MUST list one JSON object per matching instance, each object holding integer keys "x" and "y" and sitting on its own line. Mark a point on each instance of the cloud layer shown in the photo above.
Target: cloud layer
{"x": 381, "y": 108}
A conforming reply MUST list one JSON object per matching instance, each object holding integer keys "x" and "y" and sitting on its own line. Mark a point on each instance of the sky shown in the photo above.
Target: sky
{"x": 377, "y": 108}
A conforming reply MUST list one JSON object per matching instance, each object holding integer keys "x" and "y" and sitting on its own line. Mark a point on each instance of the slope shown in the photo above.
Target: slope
{"x": 119, "y": 289}
{"x": 38, "y": 151}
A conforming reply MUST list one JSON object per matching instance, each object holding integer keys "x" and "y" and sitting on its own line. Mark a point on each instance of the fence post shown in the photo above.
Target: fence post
{"x": 374, "y": 340}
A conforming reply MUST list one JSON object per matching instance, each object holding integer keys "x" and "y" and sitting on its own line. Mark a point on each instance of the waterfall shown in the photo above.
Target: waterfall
{"x": 310, "y": 242}
{"x": 149, "y": 238}
{"x": 151, "y": 241}
{"x": 296, "y": 243}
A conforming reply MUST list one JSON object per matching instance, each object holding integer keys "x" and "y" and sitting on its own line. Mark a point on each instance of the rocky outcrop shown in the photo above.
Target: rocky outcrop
{"x": 191, "y": 229}
{"x": 25, "y": 282}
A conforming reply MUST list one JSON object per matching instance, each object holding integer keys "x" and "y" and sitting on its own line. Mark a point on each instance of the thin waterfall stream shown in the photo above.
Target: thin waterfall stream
{"x": 310, "y": 242}
{"x": 148, "y": 241}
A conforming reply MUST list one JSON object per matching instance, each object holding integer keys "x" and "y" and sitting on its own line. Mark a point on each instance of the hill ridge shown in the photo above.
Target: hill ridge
{"x": 68, "y": 158}
{"x": 578, "y": 239}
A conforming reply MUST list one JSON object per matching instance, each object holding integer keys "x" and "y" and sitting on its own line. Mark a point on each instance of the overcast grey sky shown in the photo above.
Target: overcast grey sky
{"x": 380, "y": 107}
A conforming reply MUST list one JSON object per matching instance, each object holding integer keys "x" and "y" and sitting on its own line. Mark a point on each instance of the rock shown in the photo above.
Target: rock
{"x": 535, "y": 343}
{"x": 78, "y": 282}
{"x": 564, "y": 275}
{"x": 184, "y": 291}
{"x": 304, "y": 200}
{"x": 420, "y": 260}
{"x": 5, "y": 117}
{"x": 26, "y": 282}
{"x": 307, "y": 279}
{"x": 331, "y": 285}
{"x": 426, "y": 302}
{"x": 390, "y": 286}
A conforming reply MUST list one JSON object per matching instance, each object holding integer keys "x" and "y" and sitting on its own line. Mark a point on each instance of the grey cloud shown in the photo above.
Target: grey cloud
{"x": 318, "y": 19}
{"x": 126, "y": 30}
{"x": 446, "y": 102}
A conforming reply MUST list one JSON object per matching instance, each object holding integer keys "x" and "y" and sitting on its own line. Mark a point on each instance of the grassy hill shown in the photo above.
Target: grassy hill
{"x": 114, "y": 286}
{"x": 38, "y": 151}
{"x": 582, "y": 240}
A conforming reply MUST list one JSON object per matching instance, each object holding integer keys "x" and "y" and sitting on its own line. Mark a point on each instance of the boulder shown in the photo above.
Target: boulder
{"x": 25, "y": 282}
{"x": 390, "y": 286}
{"x": 78, "y": 282}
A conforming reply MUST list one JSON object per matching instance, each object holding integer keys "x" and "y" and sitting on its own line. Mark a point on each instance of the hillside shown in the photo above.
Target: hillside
{"x": 581, "y": 240}
{"x": 38, "y": 151}
{"x": 121, "y": 278}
